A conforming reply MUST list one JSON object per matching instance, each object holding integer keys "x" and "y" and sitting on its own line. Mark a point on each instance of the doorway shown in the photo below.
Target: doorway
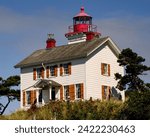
{"x": 53, "y": 93}
{"x": 40, "y": 97}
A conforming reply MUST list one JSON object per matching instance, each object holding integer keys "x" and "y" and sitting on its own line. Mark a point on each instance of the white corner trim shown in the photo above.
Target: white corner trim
{"x": 97, "y": 47}
{"x": 112, "y": 44}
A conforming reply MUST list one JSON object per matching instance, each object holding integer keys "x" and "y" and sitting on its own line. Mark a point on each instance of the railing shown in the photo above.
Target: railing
{"x": 77, "y": 28}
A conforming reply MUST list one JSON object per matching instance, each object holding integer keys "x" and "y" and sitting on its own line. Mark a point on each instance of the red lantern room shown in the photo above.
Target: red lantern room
{"x": 82, "y": 22}
{"x": 82, "y": 28}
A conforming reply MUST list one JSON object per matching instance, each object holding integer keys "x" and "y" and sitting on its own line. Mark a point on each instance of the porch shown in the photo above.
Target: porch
{"x": 41, "y": 93}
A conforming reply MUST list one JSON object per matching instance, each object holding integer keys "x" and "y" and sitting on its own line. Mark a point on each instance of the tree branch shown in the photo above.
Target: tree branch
{"x": 1, "y": 113}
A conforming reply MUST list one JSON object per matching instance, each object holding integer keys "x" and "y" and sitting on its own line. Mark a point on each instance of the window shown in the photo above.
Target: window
{"x": 66, "y": 92}
{"x": 78, "y": 91}
{"x": 28, "y": 97}
{"x": 106, "y": 92}
{"x": 52, "y": 71}
{"x": 39, "y": 72}
{"x": 66, "y": 68}
{"x": 105, "y": 69}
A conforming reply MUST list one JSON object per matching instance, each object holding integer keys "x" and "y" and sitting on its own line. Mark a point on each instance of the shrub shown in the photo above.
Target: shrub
{"x": 137, "y": 107}
{"x": 86, "y": 110}
{"x": 19, "y": 115}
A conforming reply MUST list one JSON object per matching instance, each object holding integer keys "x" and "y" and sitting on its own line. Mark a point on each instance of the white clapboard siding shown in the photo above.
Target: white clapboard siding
{"x": 77, "y": 74}
{"x": 94, "y": 79}
{"x": 85, "y": 70}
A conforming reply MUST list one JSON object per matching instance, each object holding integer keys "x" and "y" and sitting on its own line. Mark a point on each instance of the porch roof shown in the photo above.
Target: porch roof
{"x": 44, "y": 82}
{"x": 41, "y": 84}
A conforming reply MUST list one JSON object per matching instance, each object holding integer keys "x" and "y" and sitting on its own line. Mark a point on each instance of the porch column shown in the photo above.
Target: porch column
{"x": 50, "y": 90}
{"x": 37, "y": 97}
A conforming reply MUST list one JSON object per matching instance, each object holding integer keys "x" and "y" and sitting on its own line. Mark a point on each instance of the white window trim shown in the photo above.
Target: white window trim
{"x": 76, "y": 92}
{"x": 65, "y": 74}
{"x": 53, "y": 72}
{"x": 106, "y": 74}
{"x": 64, "y": 94}
{"x": 105, "y": 90}
{"x": 37, "y": 78}
{"x": 27, "y": 104}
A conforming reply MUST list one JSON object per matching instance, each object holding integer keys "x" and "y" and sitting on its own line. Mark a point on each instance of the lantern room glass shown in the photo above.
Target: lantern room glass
{"x": 82, "y": 20}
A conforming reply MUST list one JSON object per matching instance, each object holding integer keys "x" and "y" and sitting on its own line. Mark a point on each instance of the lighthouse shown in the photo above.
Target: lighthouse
{"x": 82, "y": 28}
{"x": 76, "y": 71}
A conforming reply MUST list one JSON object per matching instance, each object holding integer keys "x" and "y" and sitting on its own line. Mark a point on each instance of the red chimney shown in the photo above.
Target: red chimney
{"x": 51, "y": 42}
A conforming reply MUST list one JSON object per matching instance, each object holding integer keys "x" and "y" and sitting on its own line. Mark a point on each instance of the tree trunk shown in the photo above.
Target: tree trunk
{"x": 2, "y": 112}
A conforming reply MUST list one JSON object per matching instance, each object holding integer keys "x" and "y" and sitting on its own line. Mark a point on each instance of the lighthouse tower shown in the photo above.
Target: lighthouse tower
{"x": 82, "y": 28}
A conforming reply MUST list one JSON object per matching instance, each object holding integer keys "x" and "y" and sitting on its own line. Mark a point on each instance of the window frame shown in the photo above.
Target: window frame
{"x": 39, "y": 73}
{"x": 105, "y": 69}
{"x": 105, "y": 91}
{"x": 66, "y": 92}
{"x": 66, "y": 69}
{"x": 28, "y": 97}
{"x": 52, "y": 71}
{"x": 78, "y": 91}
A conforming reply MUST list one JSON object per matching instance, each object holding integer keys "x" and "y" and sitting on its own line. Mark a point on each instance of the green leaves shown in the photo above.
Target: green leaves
{"x": 6, "y": 86}
{"x": 137, "y": 106}
{"x": 133, "y": 69}
{"x": 12, "y": 81}
{"x": 6, "y": 89}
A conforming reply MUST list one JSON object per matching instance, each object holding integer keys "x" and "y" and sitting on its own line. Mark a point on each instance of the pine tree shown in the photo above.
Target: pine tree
{"x": 134, "y": 68}
{"x": 7, "y": 90}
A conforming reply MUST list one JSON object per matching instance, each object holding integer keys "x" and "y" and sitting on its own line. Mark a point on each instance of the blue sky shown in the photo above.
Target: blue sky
{"x": 24, "y": 25}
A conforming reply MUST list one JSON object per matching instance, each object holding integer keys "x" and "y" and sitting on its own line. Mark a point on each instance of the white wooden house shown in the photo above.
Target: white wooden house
{"x": 82, "y": 69}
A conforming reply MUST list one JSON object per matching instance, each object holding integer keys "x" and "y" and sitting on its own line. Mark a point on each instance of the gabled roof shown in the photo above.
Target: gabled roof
{"x": 66, "y": 52}
{"x": 44, "y": 82}
{"x": 41, "y": 83}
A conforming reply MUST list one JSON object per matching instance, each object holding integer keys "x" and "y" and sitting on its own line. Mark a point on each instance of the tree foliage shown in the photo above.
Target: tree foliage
{"x": 134, "y": 68}
{"x": 7, "y": 89}
{"x": 137, "y": 107}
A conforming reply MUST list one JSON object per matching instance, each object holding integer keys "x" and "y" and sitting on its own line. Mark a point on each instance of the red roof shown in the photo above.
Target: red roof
{"x": 82, "y": 13}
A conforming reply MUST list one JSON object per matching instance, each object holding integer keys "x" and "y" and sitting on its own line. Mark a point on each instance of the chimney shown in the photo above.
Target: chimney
{"x": 50, "y": 42}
